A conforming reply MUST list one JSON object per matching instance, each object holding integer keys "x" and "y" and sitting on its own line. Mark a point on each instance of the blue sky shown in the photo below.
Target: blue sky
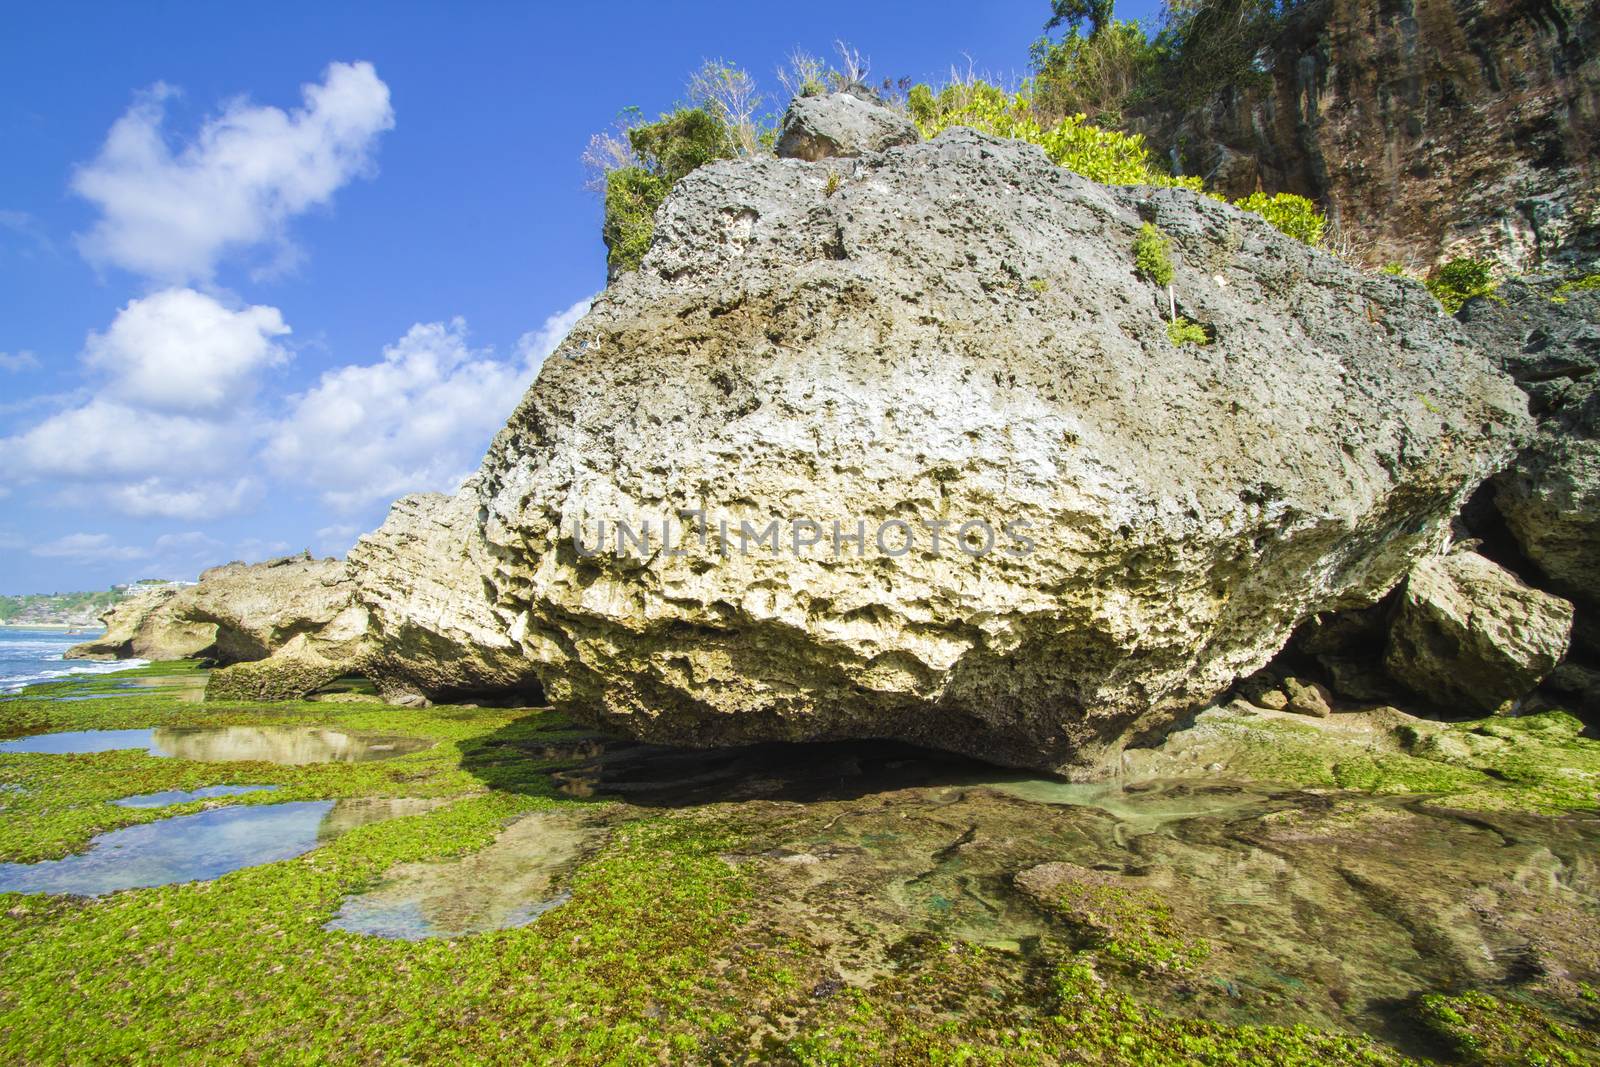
{"x": 265, "y": 267}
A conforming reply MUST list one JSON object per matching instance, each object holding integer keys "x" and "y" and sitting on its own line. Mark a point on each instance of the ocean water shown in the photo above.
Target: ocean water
{"x": 29, "y": 656}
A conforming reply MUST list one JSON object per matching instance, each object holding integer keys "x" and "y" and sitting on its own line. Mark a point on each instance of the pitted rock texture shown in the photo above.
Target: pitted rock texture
{"x": 242, "y": 612}
{"x": 1428, "y": 129}
{"x": 434, "y": 633}
{"x": 1550, "y": 497}
{"x": 956, "y": 333}
{"x": 841, "y": 124}
{"x": 142, "y": 626}
{"x": 1469, "y": 633}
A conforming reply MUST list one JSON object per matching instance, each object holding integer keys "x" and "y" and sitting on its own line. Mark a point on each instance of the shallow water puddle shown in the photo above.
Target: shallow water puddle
{"x": 180, "y": 796}
{"x": 199, "y": 847}
{"x": 509, "y": 883}
{"x": 287, "y": 745}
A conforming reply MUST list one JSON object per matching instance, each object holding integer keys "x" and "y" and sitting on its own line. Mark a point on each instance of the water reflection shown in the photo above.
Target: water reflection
{"x": 200, "y": 847}
{"x": 288, "y": 745}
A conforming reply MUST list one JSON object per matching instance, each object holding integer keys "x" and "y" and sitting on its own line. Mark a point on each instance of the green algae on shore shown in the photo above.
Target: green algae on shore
{"x": 820, "y": 915}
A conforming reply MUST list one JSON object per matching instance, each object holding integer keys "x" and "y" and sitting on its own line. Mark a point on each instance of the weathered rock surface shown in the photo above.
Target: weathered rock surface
{"x": 143, "y": 626}
{"x": 1469, "y": 632}
{"x": 1550, "y": 497}
{"x": 239, "y": 613}
{"x": 956, "y": 333}
{"x": 296, "y": 605}
{"x": 841, "y": 124}
{"x": 434, "y": 633}
{"x": 285, "y": 676}
{"x": 1429, "y": 129}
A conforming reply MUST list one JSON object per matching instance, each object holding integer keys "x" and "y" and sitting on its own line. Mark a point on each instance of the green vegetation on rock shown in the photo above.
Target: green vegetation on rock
{"x": 675, "y": 944}
{"x": 1459, "y": 280}
{"x": 665, "y": 151}
{"x": 1181, "y": 331}
{"x": 1099, "y": 154}
{"x": 1293, "y": 215}
{"x": 1483, "y": 1030}
{"x": 1152, "y": 255}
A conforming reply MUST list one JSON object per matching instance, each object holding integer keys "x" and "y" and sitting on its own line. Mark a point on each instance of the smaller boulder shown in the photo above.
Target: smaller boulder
{"x": 1469, "y": 632}
{"x": 841, "y": 124}
{"x": 1264, "y": 690}
{"x": 1308, "y": 698}
{"x": 281, "y": 677}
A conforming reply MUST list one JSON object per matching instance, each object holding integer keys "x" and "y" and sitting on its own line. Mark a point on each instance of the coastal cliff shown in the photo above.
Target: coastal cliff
{"x": 1426, "y": 128}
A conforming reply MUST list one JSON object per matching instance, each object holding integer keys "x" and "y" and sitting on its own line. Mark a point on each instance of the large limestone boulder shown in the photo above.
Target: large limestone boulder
{"x": 841, "y": 124}
{"x": 142, "y": 626}
{"x": 952, "y": 333}
{"x": 435, "y": 634}
{"x": 1469, "y": 633}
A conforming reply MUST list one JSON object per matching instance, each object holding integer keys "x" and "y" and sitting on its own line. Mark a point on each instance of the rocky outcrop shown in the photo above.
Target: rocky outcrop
{"x": 1428, "y": 129}
{"x": 949, "y": 336}
{"x": 143, "y": 626}
{"x": 1469, "y": 633}
{"x": 302, "y": 607}
{"x": 434, "y": 633}
{"x": 841, "y": 124}
{"x": 296, "y": 605}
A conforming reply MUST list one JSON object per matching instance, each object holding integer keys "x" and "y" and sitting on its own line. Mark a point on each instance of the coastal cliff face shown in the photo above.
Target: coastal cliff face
{"x": 940, "y": 333}
{"x": 1428, "y": 128}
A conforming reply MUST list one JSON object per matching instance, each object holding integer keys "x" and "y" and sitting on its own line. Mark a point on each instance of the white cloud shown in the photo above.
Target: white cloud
{"x": 254, "y": 549}
{"x": 336, "y": 540}
{"x": 418, "y": 420}
{"x": 172, "y": 553}
{"x": 182, "y": 351}
{"x": 87, "y": 548}
{"x": 104, "y": 440}
{"x": 535, "y": 346}
{"x": 194, "y": 501}
{"x": 32, "y": 237}
{"x": 19, "y": 361}
{"x": 172, "y": 425}
{"x": 246, "y": 173}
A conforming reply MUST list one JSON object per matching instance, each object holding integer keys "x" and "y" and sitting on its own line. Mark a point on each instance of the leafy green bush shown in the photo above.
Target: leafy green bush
{"x": 1181, "y": 331}
{"x": 1152, "y": 255}
{"x": 665, "y": 151}
{"x": 1459, "y": 280}
{"x": 1294, "y": 215}
{"x": 1099, "y": 154}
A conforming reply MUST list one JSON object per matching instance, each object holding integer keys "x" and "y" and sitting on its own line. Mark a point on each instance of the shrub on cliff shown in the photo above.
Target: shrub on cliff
{"x": 1294, "y": 215}
{"x": 1099, "y": 154}
{"x": 658, "y": 154}
{"x": 1461, "y": 279}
